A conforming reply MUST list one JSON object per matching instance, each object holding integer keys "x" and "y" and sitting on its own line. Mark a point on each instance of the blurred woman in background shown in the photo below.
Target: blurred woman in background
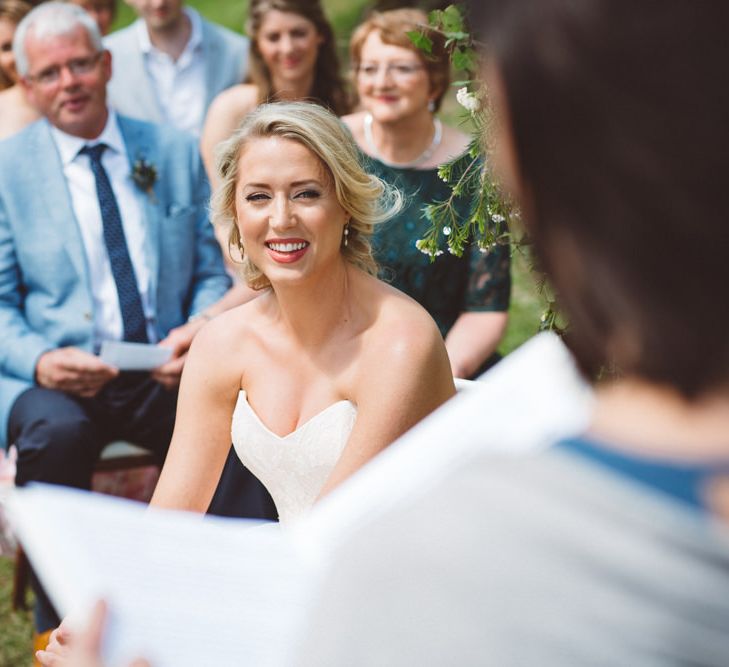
{"x": 400, "y": 91}
{"x": 15, "y": 110}
{"x": 293, "y": 57}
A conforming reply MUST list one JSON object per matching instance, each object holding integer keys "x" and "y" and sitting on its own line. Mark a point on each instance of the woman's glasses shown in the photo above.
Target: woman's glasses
{"x": 397, "y": 71}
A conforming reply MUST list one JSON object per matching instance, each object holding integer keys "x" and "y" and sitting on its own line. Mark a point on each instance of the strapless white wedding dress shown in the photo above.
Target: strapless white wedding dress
{"x": 294, "y": 467}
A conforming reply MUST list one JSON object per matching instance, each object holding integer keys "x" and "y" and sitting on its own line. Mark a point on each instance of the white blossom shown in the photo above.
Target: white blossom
{"x": 447, "y": 230}
{"x": 467, "y": 100}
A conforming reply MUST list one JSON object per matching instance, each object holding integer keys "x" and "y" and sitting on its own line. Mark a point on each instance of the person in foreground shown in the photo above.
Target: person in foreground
{"x": 90, "y": 254}
{"x": 328, "y": 365}
{"x": 400, "y": 90}
{"x": 610, "y": 547}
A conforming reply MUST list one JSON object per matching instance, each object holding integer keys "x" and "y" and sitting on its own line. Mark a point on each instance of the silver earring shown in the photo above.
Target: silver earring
{"x": 431, "y": 106}
{"x": 345, "y": 241}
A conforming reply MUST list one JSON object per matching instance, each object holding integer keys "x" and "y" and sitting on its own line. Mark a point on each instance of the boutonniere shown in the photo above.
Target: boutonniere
{"x": 144, "y": 175}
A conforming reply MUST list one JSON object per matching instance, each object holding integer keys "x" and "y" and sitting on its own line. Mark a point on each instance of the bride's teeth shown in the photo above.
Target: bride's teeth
{"x": 286, "y": 247}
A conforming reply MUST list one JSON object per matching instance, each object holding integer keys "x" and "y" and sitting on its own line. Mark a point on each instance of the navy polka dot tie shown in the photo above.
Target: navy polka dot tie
{"x": 130, "y": 303}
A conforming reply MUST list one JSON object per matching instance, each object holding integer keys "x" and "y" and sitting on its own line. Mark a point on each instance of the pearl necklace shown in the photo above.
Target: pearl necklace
{"x": 424, "y": 156}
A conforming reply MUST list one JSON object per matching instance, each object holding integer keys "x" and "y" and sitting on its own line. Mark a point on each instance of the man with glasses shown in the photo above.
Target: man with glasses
{"x": 104, "y": 236}
{"x": 175, "y": 63}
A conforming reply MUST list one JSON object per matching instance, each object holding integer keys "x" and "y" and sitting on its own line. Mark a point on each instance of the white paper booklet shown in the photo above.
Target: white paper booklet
{"x": 183, "y": 590}
{"x": 133, "y": 356}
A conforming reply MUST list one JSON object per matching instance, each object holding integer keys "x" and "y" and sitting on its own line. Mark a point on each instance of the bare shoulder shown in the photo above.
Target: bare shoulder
{"x": 404, "y": 337}
{"x": 221, "y": 347}
{"x": 234, "y": 103}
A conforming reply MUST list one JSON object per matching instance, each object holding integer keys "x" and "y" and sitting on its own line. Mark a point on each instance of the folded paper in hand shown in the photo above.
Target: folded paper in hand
{"x": 134, "y": 356}
{"x": 182, "y": 590}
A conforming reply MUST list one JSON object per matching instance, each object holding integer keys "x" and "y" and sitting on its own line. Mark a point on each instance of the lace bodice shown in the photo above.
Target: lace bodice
{"x": 294, "y": 467}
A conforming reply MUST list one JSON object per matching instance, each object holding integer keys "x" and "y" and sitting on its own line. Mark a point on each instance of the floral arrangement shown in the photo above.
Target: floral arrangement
{"x": 493, "y": 218}
{"x": 488, "y": 222}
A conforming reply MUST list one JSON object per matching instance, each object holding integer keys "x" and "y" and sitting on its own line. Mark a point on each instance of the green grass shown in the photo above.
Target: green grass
{"x": 16, "y": 632}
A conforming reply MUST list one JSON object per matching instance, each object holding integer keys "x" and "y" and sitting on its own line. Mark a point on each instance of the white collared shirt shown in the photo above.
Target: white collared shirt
{"x": 179, "y": 84}
{"x": 108, "y": 324}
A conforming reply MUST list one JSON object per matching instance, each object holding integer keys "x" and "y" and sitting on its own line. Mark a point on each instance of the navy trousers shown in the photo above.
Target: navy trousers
{"x": 60, "y": 436}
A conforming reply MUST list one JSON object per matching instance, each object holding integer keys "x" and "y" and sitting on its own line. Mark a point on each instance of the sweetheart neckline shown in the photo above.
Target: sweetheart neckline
{"x": 300, "y": 426}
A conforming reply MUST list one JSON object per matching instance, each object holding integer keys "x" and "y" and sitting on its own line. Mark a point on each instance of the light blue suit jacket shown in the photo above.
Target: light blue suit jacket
{"x": 130, "y": 90}
{"x": 45, "y": 293}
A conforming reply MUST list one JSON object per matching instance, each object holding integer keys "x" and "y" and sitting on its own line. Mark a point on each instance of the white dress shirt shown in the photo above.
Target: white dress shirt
{"x": 108, "y": 324}
{"x": 179, "y": 84}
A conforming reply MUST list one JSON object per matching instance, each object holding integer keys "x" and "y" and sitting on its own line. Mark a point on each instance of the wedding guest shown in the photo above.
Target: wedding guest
{"x": 328, "y": 366}
{"x": 102, "y": 11}
{"x": 15, "y": 110}
{"x": 400, "y": 89}
{"x": 293, "y": 56}
{"x": 174, "y": 64}
{"x": 128, "y": 254}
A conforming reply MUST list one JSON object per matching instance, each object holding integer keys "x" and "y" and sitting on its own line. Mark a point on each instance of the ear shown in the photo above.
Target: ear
{"x": 106, "y": 65}
{"x": 28, "y": 89}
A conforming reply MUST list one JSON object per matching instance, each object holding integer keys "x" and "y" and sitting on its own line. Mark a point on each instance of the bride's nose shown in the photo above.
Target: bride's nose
{"x": 281, "y": 215}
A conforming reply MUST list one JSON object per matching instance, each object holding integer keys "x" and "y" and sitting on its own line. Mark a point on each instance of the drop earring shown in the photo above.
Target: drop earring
{"x": 345, "y": 239}
{"x": 431, "y": 106}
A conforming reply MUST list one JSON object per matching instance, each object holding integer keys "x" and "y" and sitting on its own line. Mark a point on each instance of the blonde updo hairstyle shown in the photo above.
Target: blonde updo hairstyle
{"x": 365, "y": 198}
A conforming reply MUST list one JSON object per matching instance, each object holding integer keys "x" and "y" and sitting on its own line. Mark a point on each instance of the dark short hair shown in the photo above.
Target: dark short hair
{"x": 620, "y": 117}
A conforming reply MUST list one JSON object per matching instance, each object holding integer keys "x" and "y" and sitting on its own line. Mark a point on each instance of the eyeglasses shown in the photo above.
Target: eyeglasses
{"x": 78, "y": 66}
{"x": 398, "y": 71}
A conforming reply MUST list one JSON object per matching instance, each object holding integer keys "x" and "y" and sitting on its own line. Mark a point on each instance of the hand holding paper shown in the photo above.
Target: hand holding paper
{"x": 134, "y": 356}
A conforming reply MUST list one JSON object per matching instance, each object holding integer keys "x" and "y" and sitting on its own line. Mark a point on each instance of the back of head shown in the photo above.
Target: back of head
{"x": 618, "y": 111}
{"x": 328, "y": 86}
{"x": 366, "y": 199}
{"x": 392, "y": 27}
{"x": 52, "y": 19}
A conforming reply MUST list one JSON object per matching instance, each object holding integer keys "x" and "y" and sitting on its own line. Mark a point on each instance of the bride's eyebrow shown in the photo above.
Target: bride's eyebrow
{"x": 294, "y": 184}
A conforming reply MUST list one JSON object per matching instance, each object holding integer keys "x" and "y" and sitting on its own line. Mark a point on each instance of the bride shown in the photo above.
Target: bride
{"x": 328, "y": 365}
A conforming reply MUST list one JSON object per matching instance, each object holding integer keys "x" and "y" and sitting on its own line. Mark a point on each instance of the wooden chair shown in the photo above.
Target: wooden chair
{"x": 118, "y": 456}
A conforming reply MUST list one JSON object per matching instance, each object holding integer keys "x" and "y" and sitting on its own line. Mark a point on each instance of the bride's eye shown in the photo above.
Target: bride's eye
{"x": 257, "y": 196}
{"x": 308, "y": 194}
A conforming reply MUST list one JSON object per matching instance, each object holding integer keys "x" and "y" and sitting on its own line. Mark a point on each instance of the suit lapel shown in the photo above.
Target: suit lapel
{"x": 57, "y": 198}
{"x": 143, "y": 93}
{"x": 213, "y": 73}
{"x": 141, "y": 144}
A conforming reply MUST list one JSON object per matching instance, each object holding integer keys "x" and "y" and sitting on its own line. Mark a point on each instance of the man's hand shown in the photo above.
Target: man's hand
{"x": 74, "y": 371}
{"x": 83, "y": 650}
{"x": 179, "y": 339}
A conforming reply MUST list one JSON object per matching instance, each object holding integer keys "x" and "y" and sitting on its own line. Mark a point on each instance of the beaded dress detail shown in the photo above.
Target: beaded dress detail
{"x": 294, "y": 467}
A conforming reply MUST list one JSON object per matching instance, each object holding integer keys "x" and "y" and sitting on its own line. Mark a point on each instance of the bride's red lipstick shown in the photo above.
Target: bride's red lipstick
{"x": 287, "y": 251}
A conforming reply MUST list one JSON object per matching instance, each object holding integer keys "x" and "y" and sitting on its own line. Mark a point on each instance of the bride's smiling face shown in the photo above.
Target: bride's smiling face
{"x": 288, "y": 215}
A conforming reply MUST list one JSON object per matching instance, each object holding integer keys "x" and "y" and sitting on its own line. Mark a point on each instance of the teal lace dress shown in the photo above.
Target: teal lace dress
{"x": 449, "y": 286}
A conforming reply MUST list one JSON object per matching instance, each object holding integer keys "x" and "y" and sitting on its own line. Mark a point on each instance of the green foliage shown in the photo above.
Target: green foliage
{"x": 493, "y": 218}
